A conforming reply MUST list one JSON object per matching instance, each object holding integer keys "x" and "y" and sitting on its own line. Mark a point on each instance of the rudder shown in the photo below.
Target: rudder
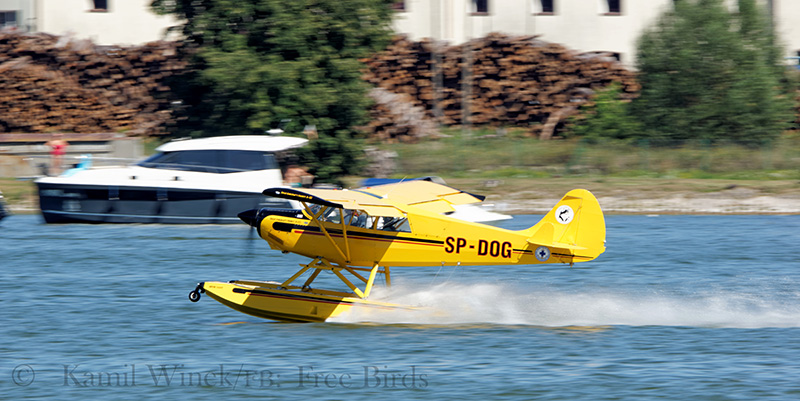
{"x": 575, "y": 228}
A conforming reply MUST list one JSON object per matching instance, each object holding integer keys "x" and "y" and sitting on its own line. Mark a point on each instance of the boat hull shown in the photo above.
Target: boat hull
{"x": 269, "y": 300}
{"x": 69, "y": 203}
{"x": 3, "y": 212}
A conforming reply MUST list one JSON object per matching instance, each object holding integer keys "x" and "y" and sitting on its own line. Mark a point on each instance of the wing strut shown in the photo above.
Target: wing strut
{"x": 315, "y": 218}
{"x": 344, "y": 234}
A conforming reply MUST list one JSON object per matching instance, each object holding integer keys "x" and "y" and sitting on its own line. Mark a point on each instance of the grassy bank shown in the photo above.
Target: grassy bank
{"x": 19, "y": 194}
{"x": 517, "y": 168}
{"x": 484, "y": 154}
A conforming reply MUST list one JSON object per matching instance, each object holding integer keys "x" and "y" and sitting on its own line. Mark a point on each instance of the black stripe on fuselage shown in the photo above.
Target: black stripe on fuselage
{"x": 287, "y": 227}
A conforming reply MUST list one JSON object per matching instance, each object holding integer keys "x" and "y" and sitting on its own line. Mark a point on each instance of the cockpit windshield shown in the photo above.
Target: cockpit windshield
{"x": 212, "y": 161}
{"x": 360, "y": 218}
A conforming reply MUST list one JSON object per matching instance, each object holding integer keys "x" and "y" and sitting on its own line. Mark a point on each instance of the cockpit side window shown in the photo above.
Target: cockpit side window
{"x": 394, "y": 224}
{"x": 360, "y": 218}
{"x": 314, "y": 209}
{"x": 356, "y": 218}
{"x": 331, "y": 215}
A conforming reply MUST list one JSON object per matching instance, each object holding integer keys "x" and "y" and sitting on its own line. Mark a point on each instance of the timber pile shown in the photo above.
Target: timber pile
{"x": 395, "y": 118}
{"x": 50, "y": 84}
{"x": 514, "y": 81}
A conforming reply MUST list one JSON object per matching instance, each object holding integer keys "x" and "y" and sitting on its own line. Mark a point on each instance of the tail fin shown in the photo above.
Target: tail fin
{"x": 574, "y": 230}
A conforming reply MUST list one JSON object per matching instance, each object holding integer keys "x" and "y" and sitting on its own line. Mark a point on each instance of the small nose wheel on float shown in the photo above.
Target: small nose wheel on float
{"x": 194, "y": 295}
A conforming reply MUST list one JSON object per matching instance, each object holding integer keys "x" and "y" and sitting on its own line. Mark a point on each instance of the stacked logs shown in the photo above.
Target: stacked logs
{"x": 50, "y": 83}
{"x": 395, "y": 118}
{"x": 511, "y": 81}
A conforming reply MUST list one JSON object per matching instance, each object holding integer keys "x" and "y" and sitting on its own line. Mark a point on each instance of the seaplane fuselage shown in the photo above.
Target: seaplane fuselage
{"x": 362, "y": 233}
{"x": 423, "y": 238}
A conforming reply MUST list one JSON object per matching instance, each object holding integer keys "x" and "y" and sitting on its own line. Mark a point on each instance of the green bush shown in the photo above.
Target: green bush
{"x": 712, "y": 76}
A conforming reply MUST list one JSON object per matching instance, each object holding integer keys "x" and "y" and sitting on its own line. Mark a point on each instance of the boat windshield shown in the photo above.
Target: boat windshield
{"x": 212, "y": 161}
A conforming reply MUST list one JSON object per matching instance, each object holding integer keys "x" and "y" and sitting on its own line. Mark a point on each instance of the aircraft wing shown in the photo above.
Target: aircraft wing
{"x": 383, "y": 200}
{"x": 345, "y": 199}
{"x": 436, "y": 198}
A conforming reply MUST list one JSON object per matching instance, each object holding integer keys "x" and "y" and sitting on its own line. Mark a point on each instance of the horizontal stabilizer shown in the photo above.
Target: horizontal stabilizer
{"x": 559, "y": 245}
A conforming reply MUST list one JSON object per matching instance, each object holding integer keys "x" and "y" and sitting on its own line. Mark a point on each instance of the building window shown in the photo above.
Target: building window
{"x": 480, "y": 6}
{"x": 613, "y": 7}
{"x": 399, "y": 5}
{"x": 100, "y": 6}
{"x": 544, "y": 7}
{"x": 8, "y": 19}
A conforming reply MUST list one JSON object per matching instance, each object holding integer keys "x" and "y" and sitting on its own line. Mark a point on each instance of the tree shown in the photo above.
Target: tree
{"x": 258, "y": 64}
{"x": 607, "y": 117}
{"x": 710, "y": 75}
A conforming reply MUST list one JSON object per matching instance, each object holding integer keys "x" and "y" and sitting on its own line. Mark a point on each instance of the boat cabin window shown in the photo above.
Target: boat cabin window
{"x": 212, "y": 161}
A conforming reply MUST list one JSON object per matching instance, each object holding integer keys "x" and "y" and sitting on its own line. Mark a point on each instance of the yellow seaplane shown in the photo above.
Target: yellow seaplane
{"x": 358, "y": 234}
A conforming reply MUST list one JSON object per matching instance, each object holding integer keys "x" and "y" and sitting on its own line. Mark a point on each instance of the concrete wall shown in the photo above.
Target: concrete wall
{"x": 21, "y": 155}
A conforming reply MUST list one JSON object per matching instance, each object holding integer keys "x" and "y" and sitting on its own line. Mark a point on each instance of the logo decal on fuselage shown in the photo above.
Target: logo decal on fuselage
{"x": 564, "y": 214}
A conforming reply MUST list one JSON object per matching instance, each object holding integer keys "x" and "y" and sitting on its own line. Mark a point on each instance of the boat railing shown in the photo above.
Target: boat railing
{"x": 71, "y": 160}
{"x": 43, "y": 165}
{"x": 85, "y": 162}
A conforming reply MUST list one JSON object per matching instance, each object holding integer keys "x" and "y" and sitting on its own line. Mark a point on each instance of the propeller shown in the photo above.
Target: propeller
{"x": 251, "y": 218}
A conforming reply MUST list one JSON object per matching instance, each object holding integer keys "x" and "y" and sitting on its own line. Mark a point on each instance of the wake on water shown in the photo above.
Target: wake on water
{"x": 505, "y": 305}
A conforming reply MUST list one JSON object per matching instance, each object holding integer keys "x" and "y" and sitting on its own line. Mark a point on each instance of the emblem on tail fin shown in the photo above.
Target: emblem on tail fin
{"x": 564, "y": 214}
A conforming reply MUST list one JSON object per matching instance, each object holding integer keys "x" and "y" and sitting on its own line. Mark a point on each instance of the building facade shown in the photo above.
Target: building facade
{"x": 106, "y": 22}
{"x": 17, "y": 15}
{"x": 585, "y": 25}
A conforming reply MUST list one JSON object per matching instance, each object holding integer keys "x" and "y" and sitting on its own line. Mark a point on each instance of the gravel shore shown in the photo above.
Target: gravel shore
{"x": 677, "y": 204}
{"x": 649, "y": 197}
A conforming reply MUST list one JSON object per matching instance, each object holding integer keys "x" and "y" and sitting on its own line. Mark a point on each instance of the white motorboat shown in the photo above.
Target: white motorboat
{"x": 194, "y": 181}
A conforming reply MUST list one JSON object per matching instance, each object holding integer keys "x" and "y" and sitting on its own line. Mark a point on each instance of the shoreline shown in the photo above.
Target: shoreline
{"x": 643, "y": 196}
{"x": 616, "y": 195}
{"x": 615, "y": 205}
{"x": 677, "y": 205}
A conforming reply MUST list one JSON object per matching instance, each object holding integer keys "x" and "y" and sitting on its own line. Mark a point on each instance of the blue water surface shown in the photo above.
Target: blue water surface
{"x": 678, "y": 307}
